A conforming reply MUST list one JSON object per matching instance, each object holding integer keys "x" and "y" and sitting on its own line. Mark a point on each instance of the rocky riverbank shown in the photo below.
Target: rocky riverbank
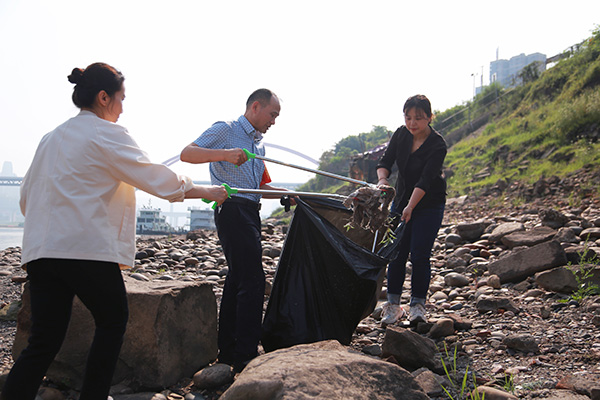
{"x": 495, "y": 303}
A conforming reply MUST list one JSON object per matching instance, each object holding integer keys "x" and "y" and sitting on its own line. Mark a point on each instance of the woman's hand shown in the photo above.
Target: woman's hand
{"x": 383, "y": 182}
{"x": 407, "y": 213}
{"x": 415, "y": 198}
{"x": 216, "y": 193}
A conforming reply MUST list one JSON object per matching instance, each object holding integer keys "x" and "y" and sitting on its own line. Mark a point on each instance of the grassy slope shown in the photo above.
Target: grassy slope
{"x": 547, "y": 127}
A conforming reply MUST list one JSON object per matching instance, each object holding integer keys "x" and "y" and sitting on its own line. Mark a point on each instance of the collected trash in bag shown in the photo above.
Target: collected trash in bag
{"x": 325, "y": 282}
{"x": 370, "y": 206}
{"x": 369, "y": 203}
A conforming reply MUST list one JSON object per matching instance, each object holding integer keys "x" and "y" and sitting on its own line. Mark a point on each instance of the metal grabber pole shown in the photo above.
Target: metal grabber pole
{"x": 316, "y": 171}
{"x": 231, "y": 190}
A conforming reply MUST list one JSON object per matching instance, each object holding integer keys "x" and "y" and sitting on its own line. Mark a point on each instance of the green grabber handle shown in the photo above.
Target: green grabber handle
{"x": 229, "y": 190}
{"x": 248, "y": 154}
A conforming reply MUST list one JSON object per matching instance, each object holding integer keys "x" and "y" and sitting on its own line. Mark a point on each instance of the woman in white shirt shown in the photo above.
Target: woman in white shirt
{"x": 79, "y": 204}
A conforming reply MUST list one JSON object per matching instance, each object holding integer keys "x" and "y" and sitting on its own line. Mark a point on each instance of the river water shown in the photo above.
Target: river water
{"x": 10, "y": 237}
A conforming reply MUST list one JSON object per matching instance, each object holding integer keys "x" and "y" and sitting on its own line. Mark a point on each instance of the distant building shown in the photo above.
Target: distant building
{"x": 506, "y": 72}
{"x": 202, "y": 219}
{"x": 7, "y": 169}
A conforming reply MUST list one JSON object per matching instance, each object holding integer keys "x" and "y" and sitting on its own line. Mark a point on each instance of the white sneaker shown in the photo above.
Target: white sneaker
{"x": 417, "y": 314}
{"x": 391, "y": 313}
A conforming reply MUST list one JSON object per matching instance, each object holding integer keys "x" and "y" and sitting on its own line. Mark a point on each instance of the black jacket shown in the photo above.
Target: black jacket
{"x": 422, "y": 169}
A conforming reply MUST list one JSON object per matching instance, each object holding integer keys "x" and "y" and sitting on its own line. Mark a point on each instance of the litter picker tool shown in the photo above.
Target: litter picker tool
{"x": 369, "y": 203}
{"x": 316, "y": 171}
{"x": 231, "y": 191}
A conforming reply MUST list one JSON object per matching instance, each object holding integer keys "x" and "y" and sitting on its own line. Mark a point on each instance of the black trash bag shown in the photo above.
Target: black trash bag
{"x": 325, "y": 283}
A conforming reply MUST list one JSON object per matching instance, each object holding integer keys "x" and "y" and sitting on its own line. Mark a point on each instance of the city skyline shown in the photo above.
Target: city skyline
{"x": 339, "y": 67}
{"x": 508, "y": 67}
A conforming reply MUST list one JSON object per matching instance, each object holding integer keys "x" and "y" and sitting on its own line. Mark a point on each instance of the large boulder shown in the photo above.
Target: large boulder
{"x": 553, "y": 218}
{"x": 531, "y": 237}
{"x": 566, "y": 235}
{"x": 568, "y": 279}
{"x": 325, "y": 370}
{"x": 524, "y": 263}
{"x": 505, "y": 229}
{"x": 523, "y": 342}
{"x": 492, "y": 303}
{"x": 411, "y": 350}
{"x": 171, "y": 334}
{"x": 578, "y": 254}
{"x": 558, "y": 279}
{"x": 471, "y": 231}
{"x": 590, "y": 233}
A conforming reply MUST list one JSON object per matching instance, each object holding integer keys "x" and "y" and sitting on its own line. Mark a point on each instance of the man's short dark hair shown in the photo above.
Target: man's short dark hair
{"x": 263, "y": 96}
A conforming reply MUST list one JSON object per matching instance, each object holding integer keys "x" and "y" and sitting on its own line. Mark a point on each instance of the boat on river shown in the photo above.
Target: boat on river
{"x": 150, "y": 221}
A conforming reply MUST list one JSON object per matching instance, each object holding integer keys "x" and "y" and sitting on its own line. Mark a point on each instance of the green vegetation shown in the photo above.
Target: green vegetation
{"x": 584, "y": 275}
{"x": 283, "y": 217}
{"x": 548, "y": 126}
{"x": 337, "y": 160}
{"x": 585, "y": 288}
{"x": 508, "y": 385}
{"x": 463, "y": 385}
{"x": 460, "y": 390}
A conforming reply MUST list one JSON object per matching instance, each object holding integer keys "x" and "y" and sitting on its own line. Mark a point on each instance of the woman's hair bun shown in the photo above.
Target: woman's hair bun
{"x": 95, "y": 78}
{"x": 76, "y": 75}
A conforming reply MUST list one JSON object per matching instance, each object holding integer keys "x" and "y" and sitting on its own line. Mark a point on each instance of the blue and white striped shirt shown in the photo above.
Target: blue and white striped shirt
{"x": 230, "y": 135}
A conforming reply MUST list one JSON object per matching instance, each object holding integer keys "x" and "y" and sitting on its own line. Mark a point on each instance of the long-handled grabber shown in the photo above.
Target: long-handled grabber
{"x": 231, "y": 191}
{"x": 316, "y": 171}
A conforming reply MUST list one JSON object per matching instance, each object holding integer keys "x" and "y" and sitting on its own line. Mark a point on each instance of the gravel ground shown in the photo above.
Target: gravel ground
{"x": 567, "y": 332}
{"x": 10, "y": 292}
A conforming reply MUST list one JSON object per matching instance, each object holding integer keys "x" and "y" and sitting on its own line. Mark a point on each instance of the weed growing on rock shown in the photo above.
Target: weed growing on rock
{"x": 574, "y": 200}
{"x": 517, "y": 201}
{"x": 583, "y": 275}
{"x": 509, "y": 383}
{"x": 585, "y": 288}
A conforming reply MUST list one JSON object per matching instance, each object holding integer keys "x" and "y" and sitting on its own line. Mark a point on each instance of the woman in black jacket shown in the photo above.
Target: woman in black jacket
{"x": 418, "y": 151}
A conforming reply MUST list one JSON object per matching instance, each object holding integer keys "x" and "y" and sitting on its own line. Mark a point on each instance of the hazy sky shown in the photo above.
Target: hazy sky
{"x": 339, "y": 67}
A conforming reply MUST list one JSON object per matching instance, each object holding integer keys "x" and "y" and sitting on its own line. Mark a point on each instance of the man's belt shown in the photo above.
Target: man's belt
{"x": 243, "y": 201}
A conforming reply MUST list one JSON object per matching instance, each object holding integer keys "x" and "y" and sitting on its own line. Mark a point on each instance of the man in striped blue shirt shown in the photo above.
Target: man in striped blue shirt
{"x": 238, "y": 221}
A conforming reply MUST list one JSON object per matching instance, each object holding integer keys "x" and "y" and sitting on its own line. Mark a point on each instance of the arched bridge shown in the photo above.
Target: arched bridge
{"x": 16, "y": 181}
{"x": 10, "y": 181}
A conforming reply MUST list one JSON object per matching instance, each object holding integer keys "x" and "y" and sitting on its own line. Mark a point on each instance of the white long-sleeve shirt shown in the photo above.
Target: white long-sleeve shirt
{"x": 78, "y": 195}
